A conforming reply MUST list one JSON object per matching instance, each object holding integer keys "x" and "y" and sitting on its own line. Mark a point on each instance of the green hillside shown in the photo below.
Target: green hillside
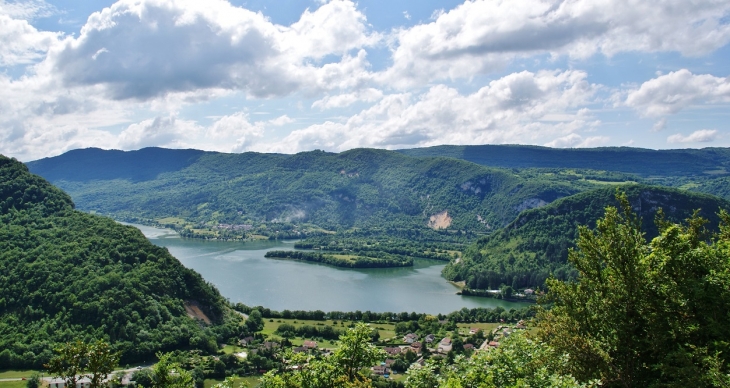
{"x": 361, "y": 188}
{"x": 67, "y": 275}
{"x": 640, "y": 161}
{"x": 535, "y": 244}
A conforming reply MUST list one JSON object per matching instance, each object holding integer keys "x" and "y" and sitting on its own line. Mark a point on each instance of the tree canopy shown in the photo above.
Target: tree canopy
{"x": 644, "y": 313}
{"x": 66, "y": 275}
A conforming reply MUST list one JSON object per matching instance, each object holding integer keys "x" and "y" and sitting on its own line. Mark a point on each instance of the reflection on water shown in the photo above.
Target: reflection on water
{"x": 242, "y": 274}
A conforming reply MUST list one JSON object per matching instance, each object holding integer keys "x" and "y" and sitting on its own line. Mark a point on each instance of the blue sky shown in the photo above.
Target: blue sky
{"x": 289, "y": 76}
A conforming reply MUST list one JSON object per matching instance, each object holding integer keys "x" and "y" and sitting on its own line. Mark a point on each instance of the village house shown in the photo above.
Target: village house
{"x": 445, "y": 345}
{"x": 246, "y": 341}
{"x": 468, "y": 347}
{"x": 381, "y": 370}
{"x": 474, "y": 330}
{"x": 430, "y": 338}
{"x": 410, "y": 338}
{"x": 60, "y": 383}
{"x": 392, "y": 351}
{"x": 310, "y": 344}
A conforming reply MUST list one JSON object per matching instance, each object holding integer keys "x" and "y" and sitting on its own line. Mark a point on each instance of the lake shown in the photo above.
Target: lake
{"x": 242, "y": 274}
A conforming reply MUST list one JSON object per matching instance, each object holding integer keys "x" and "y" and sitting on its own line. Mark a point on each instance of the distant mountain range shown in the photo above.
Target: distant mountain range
{"x": 639, "y": 161}
{"x": 359, "y": 188}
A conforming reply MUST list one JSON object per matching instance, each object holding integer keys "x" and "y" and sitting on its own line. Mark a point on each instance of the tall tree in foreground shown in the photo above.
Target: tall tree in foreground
{"x": 76, "y": 360}
{"x": 644, "y": 313}
{"x": 69, "y": 362}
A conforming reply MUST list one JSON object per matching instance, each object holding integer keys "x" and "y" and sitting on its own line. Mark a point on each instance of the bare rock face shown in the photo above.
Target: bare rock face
{"x": 440, "y": 220}
{"x": 530, "y": 203}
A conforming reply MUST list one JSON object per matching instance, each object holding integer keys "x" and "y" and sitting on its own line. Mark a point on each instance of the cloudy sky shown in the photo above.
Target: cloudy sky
{"x": 296, "y": 75}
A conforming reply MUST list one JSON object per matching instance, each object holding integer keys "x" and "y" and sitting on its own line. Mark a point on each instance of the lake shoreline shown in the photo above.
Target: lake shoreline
{"x": 240, "y": 271}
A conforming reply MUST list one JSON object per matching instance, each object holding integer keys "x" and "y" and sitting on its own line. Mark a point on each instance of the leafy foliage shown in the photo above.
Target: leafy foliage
{"x": 641, "y": 313}
{"x": 519, "y": 361}
{"x": 66, "y": 275}
{"x": 78, "y": 359}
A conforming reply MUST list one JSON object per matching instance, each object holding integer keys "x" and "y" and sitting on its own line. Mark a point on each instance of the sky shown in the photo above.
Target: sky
{"x": 296, "y": 75}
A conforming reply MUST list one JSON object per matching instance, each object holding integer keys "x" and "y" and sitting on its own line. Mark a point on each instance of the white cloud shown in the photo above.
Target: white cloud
{"x": 147, "y": 49}
{"x": 21, "y": 43}
{"x": 159, "y": 132}
{"x": 27, "y": 9}
{"x": 481, "y": 36}
{"x": 281, "y": 120}
{"x": 701, "y": 136}
{"x": 575, "y": 140}
{"x": 231, "y": 133}
{"x": 509, "y": 110}
{"x": 334, "y": 28}
{"x": 659, "y": 125}
{"x": 347, "y": 99}
{"x": 677, "y": 90}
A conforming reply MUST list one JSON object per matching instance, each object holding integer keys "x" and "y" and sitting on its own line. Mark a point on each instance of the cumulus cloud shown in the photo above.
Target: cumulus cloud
{"x": 347, "y": 99}
{"x": 677, "y": 90}
{"x": 281, "y": 120}
{"x": 231, "y": 133}
{"x": 21, "y": 43}
{"x": 334, "y": 28}
{"x": 508, "y": 110}
{"x": 160, "y": 131}
{"x": 575, "y": 140}
{"x": 146, "y": 49}
{"x": 701, "y": 136}
{"x": 481, "y": 36}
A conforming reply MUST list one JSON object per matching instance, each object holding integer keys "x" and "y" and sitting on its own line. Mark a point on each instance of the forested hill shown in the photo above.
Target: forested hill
{"x": 91, "y": 164}
{"x": 536, "y": 243}
{"x": 363, "y": 188}
{"x": 67, "y": 275}
{"x": 643, "y": 162}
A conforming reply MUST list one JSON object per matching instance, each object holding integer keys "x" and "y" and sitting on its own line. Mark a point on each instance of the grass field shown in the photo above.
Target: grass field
{"x": 13, "y": 374}
{"x": 387, "y": 330}
{"x": 250, "y": 381}
{"x": 13, "y": 384}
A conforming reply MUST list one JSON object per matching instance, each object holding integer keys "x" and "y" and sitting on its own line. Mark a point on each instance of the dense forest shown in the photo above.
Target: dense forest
{"x": 67, "y": 275}
{"x": 535, "y": 245}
